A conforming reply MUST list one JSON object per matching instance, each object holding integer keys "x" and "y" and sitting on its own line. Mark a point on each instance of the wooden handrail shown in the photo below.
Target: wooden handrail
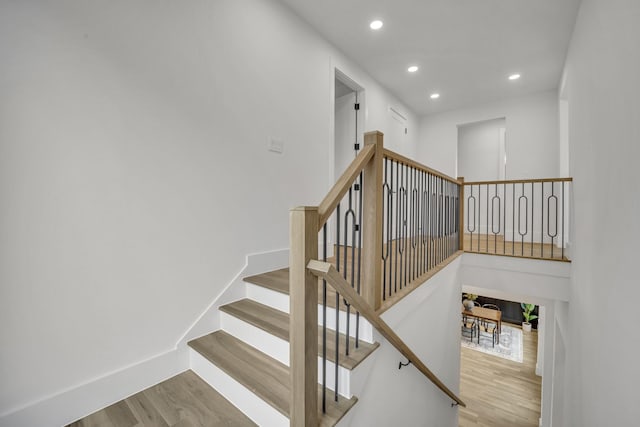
{"x": 407, "y": 161}
{"x": 340, "y": 188}
{"x": 328, "y": 272}
{"x": 519, "y": 181}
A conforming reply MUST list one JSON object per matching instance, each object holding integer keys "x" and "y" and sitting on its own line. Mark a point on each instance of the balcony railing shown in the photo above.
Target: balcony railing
{"x": 521, "y": 218}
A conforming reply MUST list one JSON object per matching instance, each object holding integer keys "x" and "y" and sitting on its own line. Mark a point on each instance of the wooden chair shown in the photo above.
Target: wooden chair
{"x": 488, "y": 328}
{"x": 469, "y": 327}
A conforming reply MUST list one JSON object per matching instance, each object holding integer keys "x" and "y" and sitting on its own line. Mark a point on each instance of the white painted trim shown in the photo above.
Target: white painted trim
{"x": 273, "y": 299}
{"x": 79, "y": 401}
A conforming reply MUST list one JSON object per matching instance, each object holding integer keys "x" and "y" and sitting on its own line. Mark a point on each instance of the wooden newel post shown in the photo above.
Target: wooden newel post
{"x": 372, "y": 217}
{"x": 461, "y": 213}
{"x": 303, "y": 291}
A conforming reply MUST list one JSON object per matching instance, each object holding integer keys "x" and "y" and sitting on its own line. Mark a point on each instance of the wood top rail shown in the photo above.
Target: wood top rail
{"x": 407, "y": 161}
{"x": 519, "y": 181}
{"x": 332, "y": 276}
{"x": 340, "y": 188}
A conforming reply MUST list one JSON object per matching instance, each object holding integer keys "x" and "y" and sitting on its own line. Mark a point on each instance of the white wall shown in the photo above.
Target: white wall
{"x": 532, "y": 135}
{"x": 603, "y": 95}
{"x": 406, "y": 397}
{"x": 134, "y": 171}
{"x": 479, "y": 150}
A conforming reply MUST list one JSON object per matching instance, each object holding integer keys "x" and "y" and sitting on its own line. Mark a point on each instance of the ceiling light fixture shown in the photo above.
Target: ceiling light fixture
{"x": 375, "y": 25}
{"x": 412, "y": 69}
{"x": 435, "y": 96}
{"x": 514, "y": 76}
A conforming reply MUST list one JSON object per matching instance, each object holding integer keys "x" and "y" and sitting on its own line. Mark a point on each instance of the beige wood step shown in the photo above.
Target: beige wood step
{"x": 181, "y": 400}
{"x": 278, "y": 281}
{"x": 276, "y": 323}
{"x": 263, "y": 375}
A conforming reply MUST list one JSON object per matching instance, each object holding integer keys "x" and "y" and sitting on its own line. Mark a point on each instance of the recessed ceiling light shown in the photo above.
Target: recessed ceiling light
{"x": 435, "y": 96}
{"x": 375, "y": 25}
{"x": 412, "y": 69}
{"x": 514, "y": 76}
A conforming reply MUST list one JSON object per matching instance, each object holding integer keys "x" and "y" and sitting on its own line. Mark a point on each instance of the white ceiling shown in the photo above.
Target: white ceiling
{"x": 465, "y": 49}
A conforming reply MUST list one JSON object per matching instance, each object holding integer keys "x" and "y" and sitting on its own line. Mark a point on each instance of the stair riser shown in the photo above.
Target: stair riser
{"x": 244, "y": 399}
{"x": 279, "y": 350}
{"x": 280, "y": 301}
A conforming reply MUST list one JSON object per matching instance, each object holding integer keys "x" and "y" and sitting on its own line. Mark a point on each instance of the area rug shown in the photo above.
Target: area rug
{"x": 510, "y": 346}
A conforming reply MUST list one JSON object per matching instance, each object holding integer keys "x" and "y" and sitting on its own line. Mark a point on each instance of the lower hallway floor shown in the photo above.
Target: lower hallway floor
{"x": 499, "y": 392}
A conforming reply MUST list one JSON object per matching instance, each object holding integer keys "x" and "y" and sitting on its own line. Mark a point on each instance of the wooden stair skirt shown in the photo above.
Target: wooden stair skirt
{"x": 247, "y": 360}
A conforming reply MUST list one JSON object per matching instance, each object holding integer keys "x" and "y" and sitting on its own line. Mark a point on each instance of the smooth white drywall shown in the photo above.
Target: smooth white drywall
{"x": 515, "y": 277}
{"x": 532, "y": 135}
{"x": 603, "y": 95}
{"x": 406, "y": 397}
{"x": 135, "y": 175}
{"x": 479, "y": 150}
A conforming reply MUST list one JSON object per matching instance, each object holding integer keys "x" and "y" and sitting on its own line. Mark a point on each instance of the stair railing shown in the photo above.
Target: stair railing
{"x": 384, "y": 227}
{"x": 520, "y": 218}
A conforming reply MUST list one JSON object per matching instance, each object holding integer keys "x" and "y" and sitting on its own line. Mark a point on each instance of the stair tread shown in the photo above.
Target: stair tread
{"x": 263, "y": 375}
{"x": 278, "y": 281}
{"x": 276, "y": 322}
{"x": 182, "y": 397}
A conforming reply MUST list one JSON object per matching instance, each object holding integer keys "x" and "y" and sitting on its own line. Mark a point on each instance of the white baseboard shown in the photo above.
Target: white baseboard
{"x": 77, "y": 402}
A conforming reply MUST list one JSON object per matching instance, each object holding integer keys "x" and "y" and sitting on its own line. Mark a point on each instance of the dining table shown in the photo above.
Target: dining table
{"x": 489, "y": 314}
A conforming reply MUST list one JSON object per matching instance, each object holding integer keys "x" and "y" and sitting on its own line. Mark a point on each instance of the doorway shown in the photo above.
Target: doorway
{"x": 348, "y": 121}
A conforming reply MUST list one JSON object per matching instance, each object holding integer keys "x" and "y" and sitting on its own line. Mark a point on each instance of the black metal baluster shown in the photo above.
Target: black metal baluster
{"x": 504, "y": 221}
{"x": 349, "y": 213}
{"x": 385, "y": 209}
{"x": 324, "y": 323}
{"x": 359, "y": 230}
{"x": 487, "y": 227}
{"x": 555, "y": 204}
{"x": 495, "y": 233}
{"x": 526, "y": 219}
{"x": 513, "y": 219}
{"x": 533, "y": 217}
{"x": 396, "y": 265}
{"x": 337, "y": 309}
{"x": 428, "y": 224}
{"x": 562, "y": 254}
{"x": 391, "y": 248}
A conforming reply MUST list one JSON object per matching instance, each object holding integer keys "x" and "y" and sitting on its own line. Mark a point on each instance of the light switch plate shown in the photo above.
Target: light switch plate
{"x": 275, "y": 145}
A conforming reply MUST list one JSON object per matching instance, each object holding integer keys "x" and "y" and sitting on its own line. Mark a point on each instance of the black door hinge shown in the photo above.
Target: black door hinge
{"x": 356, "y": 106}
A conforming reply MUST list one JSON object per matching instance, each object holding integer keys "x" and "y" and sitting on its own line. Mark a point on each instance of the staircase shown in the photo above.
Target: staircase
{"x": 247, "y": 360}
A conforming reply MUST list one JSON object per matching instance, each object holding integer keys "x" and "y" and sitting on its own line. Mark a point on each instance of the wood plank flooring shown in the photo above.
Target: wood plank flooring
{"x": 499, "y": 392}
{"x": 181, "y": 401}
{"x": 496, "y": 245}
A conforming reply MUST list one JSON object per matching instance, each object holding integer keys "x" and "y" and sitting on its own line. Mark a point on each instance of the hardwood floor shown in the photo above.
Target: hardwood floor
{"x": 184, "y": 400}
{"x": 496, "y": 245}
{"x": 499, "y": 392}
